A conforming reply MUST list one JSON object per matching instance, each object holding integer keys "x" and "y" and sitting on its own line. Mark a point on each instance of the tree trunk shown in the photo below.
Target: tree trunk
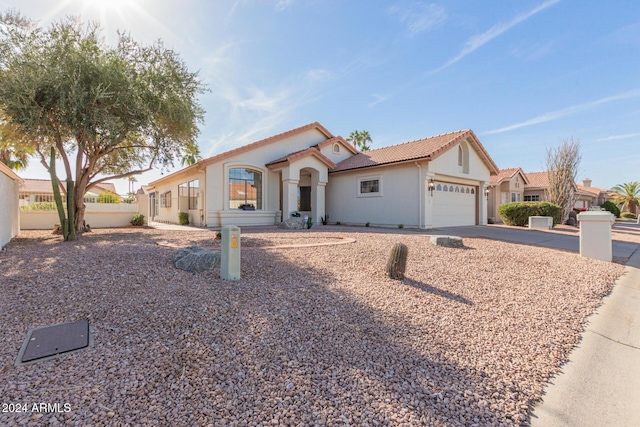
{"x": 78, "y": 215}
{"x": 70, "y": 213}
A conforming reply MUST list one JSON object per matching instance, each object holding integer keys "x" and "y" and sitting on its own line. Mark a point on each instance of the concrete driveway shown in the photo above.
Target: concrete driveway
{"x": 551, "y": 239}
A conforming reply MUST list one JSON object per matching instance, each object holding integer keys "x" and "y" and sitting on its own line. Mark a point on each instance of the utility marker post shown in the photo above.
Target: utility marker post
{"x": 230, "y": 256}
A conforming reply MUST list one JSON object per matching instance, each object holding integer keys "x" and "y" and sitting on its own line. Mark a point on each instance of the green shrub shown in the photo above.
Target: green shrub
{"x": 138, "y": 219}
{"x": 518, "y": 213}
{"x": 108, "y": 197}
{"x": 338, "y": 223}
{"x": 183, "y": 218}
{"x": 611, "y": 207}
{"x": 39, "y": 206}
{"x": 367, "y": 224}
{"x": 400, "y": 225}
{"x": 629, "y": 215}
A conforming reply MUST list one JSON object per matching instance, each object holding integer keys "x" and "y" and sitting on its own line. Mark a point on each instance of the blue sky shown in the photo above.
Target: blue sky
{"x": 523, "y": 75}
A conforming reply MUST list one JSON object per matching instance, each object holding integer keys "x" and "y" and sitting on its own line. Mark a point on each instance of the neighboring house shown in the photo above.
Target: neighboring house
{"x": 535, "y": 190}
{"x": 598, "y": 195}
{"x": 507, "y": 186}
{"x": 431, "y": 182}
{"x": 10, "y": 212}
{"x": 41, "y": 190}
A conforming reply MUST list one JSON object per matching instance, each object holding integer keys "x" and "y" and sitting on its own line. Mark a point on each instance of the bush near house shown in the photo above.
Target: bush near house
{"x": 629, "y": 215}
{"x": 611, "y": 207}
{"x": 183, "y": 218}
{"x": 108, "y": 197}
{"x": 138, "y": 219}
{"x": 39, "y": 206}
{"x": 518, "y": 213}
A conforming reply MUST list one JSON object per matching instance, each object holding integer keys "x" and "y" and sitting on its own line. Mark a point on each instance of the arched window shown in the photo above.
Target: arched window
{"x": 460, "y": 155}
{"x": 336, "y": 148}
{"x": 451, "y": 188}
{"x": 438, "y": 187}
{"x": 463, "y": 157}
{"x": 457, "y": 189}
{"x": 245, "y": 189}
{"x": 445, "y": 188}
{"x": 467, "y": 191}
{"x": 473, "y": 191}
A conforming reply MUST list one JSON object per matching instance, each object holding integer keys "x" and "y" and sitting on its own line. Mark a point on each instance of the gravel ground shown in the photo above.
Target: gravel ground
{"x": 309, "y": 336}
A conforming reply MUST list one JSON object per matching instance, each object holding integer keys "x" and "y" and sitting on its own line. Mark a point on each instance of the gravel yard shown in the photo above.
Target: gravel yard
{"x": 308, "y": 336}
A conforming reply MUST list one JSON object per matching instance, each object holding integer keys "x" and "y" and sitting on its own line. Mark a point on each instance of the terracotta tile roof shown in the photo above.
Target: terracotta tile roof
{"x": 43, "y": 186}
{"x": 37, "y": 186}
{"x": 537, "y": 180}
{"x": 507, "y": 174}
{"x": 427, "y": 148}
{"x": 248, "y": 147}
{"x": 593, "y": 190}
{"x": 311, "y": 151}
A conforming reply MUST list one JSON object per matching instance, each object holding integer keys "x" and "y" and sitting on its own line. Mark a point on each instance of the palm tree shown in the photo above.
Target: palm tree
{"x": 191, "y": 155}
{"x": 629, "y": 195}
{"x": 360, "y": 139}
{"x": 132, "y": 180}
{"x": 354, "y": 137}
{"x": 364, "y": 138}
{"x": 14, "y": 148}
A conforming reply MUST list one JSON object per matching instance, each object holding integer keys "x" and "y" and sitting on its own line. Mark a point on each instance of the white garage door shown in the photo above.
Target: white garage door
{"x": 454, "y": 205}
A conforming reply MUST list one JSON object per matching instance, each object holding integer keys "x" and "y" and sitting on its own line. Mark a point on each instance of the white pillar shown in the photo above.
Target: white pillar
{"x": 290, "y": 197}
{"x": 595, "y": 235}
{"x": 317, "y": 199}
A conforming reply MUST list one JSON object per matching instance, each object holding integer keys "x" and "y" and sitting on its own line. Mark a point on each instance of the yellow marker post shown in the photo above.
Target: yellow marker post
{"x": 230, "y": 256}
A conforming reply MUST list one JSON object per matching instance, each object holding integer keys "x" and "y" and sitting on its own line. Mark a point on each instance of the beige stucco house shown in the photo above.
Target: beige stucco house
{"x": 41, "y": 190}
{"x": 431, "y": 182}
{"x": 10, "y": 212}
{"x": 514, "y": 185}
{"x": 507, "y": 186}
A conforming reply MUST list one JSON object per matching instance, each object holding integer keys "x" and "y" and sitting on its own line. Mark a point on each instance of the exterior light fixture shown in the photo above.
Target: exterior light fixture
{"x": 486, "y": 191}
{"x": 431, "y": 186}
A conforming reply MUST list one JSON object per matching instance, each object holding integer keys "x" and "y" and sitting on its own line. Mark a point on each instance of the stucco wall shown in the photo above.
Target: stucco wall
{"x": 9, "y": 211}
{"x": 398, "y": 203}
{"x": 178, "y": 204}
{"x": 218, "y": 212}
{"x": 45, "y": 220}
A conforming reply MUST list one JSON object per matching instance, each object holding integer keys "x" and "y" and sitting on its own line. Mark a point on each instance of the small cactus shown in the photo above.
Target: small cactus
{"x": 397, "y": 262}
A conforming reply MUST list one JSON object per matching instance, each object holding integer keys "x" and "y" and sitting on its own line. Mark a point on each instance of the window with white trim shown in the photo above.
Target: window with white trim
{"x": 515, "y": 197}
{"x": 532, "y": 198}
{"x": 369, "y": 186}
{"x": 245, "y": 189}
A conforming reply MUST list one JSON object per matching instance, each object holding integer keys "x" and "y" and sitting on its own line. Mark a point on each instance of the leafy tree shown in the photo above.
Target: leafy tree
{"x": 109, "y": 112}
{"x": 628, "y": 195}
{"x": 562, "y": 170}
{"x": 191, "y": 155}
{"x": 360, "y": 139}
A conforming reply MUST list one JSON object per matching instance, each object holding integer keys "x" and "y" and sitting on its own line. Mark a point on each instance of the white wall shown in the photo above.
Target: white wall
{"x": 397, "y": 204}
{"x": 9, "y": 213}
{"x": 45, "y": 220}
{"x": 218, "y": 212}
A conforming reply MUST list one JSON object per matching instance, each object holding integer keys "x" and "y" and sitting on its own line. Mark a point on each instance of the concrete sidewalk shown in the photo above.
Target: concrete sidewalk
{"x": 600, "y": 384}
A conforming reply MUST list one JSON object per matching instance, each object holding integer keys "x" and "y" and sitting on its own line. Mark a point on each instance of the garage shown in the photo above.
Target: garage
{"x": 454, "y": 204}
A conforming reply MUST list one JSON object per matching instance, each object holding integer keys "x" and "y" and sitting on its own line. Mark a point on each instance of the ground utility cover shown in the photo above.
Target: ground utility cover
{"x": 50, "y": 341}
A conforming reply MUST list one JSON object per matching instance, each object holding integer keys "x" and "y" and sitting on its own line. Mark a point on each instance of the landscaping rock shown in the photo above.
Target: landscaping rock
{"x": 195, "y": 259}
{"x": 447, "y": 241}
{"x": 293, "y": 224}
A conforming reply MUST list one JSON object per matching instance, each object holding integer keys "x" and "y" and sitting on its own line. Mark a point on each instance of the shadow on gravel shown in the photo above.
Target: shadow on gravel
{"x": 433, "y": 290}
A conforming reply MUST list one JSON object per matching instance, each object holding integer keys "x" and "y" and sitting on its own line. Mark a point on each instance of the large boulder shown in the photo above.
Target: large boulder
{"x": 293, "y": 224}
{"x": 447, "y": 241}
{"x": 195, "y": 259}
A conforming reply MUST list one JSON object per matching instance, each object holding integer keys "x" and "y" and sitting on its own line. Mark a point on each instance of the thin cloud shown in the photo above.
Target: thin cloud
{"x": 616, "y": 137}
{"x": 479, "y": 40}
{"x": 558, "y": 114}
{"x": 419, "y": 17}
{"x": 378, "y": 100}
{"x": 283, "y": 4}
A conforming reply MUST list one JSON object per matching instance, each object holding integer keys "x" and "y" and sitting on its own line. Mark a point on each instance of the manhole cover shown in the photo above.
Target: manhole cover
{"x": 51, "y": 341}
